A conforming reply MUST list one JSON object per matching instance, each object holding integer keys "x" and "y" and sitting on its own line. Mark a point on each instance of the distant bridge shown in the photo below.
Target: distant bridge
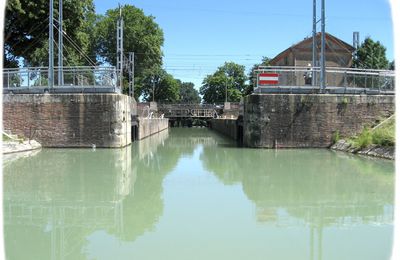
{"x": 179, "y": 111}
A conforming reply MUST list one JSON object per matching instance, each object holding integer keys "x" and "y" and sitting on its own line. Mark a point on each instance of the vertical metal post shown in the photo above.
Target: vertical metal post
{"x": 131, "y": 64}
{"x": 322, "y": 76}
{"x": 51, "y": 47}
{"x": 120, "y": 48}
{"x": 356, "y": 40}
{"x": 60, "y": 44}
{"x": 226, "y": 90}
{"x": 257, "y": 83}
{"x": 314, "y": 44}
{"x": 154, "y": 86}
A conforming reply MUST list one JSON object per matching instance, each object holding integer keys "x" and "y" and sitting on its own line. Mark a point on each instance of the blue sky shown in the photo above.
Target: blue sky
{"x": 202, "y": 35}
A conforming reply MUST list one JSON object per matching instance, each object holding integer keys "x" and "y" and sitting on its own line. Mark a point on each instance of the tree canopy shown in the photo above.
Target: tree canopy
{"x": 229, "y": 79}
{"x": 26, "y": 31}
{"x": 142, "y": 35}
{"x": 371, "y": 55}
{"x": 165, "y": 87}
{"x": 188, "y": 94}
{"x": 265, "y": 61}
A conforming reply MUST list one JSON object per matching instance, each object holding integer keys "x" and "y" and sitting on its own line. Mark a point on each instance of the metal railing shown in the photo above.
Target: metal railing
{"x": 82, "y": 77}
{"x": 343, "y": 79}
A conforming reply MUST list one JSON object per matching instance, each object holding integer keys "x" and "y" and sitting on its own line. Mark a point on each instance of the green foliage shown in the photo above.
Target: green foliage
{"x": 371, "y": 55}
{"x": 166, "y": 88}
{"x": 392, "y": 65}
{"x": 26, "y": 31}
{"x": 230, "y": 77}
{"x": 335, "y": 137}
{"x": 188, "y": 94}
{"x": 384, "y": 135}
{"x": 252, "y": 78}
{"x": 363, "y": 140}
{"x": 142, "y": 35}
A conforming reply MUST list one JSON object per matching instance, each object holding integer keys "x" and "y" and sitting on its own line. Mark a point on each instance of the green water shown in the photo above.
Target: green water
{"x": 192, "y": 194}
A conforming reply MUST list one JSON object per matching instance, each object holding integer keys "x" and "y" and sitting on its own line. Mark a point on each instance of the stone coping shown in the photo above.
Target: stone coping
{"x": 16, "y": 147}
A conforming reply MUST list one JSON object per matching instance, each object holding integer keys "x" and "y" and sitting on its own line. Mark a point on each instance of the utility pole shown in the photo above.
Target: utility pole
{"x": 131, "y": 68}
{"x": 60, "y": 44}
{"x": 314, "y": 44}
{"x": 154, "y": 86}
{"x": 322, "y": 73}
{"x": 226, "y": 90}
{"x": 51, "y": 47}
{"x": 120, "y": 48}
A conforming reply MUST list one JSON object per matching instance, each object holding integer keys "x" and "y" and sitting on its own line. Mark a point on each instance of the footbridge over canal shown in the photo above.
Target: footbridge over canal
{"x": 181, "y": 114}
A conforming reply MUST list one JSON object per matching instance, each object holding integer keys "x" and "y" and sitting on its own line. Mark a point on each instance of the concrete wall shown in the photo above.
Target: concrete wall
{"x": 226, "y": 127}
{"x": 309, "y": 120}
{"x": 147, "y": 127}
{"x": 70, "y": 120}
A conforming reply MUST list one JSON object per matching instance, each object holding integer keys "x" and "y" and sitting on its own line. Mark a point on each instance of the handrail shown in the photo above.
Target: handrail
{"x": 355, "y": 79}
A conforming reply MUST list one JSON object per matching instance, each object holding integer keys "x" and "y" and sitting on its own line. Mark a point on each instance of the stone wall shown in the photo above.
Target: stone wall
{"x": 70, "y": 120}
{"x": 226, "y": 127}
{"x": 148, "y": 127}
{"x": 286, "y": 121}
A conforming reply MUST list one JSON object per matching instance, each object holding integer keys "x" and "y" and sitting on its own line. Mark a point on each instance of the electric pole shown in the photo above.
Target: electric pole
{"x": 51, "y": 47}
{"x": 120, "y": 48}
{"x": 314, "y": 44}
{"x": 322, "y": 76}
{"x": 154, "y": 86}
{"x": 60, "y": 44}
{"x": 131, "y": 70}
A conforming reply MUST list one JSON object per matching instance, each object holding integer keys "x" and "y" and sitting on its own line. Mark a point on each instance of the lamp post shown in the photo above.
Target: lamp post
{"x": 322, "y": 77}
{"x": 154, "y": 86}
{"x": 226, "y": 90}
{"x": 51, "y": 46}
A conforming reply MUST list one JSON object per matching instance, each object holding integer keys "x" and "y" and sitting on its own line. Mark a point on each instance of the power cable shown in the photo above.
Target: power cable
{"x": 79, "y": 50}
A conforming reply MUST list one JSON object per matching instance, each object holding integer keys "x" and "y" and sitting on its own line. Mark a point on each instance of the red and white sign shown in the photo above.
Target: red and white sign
{"x": 268, "y": 79}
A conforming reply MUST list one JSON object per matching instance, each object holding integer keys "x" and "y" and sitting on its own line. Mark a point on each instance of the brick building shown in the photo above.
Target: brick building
{"x": 338, "y": 53}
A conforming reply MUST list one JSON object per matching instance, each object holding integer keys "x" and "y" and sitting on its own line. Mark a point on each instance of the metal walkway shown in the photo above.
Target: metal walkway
{"x": 83, "y": 79}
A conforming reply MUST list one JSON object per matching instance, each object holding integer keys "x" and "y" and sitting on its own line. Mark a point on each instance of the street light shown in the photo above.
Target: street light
{"x": 226, "y": 90}
{"x": 154, "y": 85}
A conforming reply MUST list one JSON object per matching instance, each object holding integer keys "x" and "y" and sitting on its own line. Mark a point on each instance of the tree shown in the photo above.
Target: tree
{"x": 142, "y": 35}
{"x": 229, "y": 79}
{"x": 26, "y": 31}
{"x": 252, "y": 77}
{"x": 188, "y": 94}
{"x": 165, "y": 87}
{"x": 392, "y": 65}
{"x": 371, "y": 55}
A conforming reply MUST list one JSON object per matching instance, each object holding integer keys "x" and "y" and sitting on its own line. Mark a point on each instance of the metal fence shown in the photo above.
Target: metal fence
{"x": 347, "y": 80}
{"x": 74, "y": 77}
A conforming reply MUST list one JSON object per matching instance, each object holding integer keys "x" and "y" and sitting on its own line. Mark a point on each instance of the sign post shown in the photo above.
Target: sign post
{"x": 265, "y": 79}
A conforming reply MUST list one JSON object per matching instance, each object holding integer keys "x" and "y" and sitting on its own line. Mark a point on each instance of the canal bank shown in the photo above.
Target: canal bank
{"x": 304, "y": 121}
{"x": 70, "y": 120}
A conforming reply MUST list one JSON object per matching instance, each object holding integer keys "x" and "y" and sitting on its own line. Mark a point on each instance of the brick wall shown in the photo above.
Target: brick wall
{"x": 309, "y": 120}
{"x": 70, "y": 120}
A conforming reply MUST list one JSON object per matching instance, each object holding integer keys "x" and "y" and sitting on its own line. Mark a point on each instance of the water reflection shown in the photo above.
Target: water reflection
{"x": 312, "y": 188}
{"x": 311, "y": 185}
{"x": 59, "y": 197}
{"x": 56, "y": 200}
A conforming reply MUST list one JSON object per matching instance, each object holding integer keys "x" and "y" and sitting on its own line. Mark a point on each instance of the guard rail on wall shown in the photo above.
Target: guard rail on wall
{"x": 80, "y": 76}
{"x": 348, "y": 80}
